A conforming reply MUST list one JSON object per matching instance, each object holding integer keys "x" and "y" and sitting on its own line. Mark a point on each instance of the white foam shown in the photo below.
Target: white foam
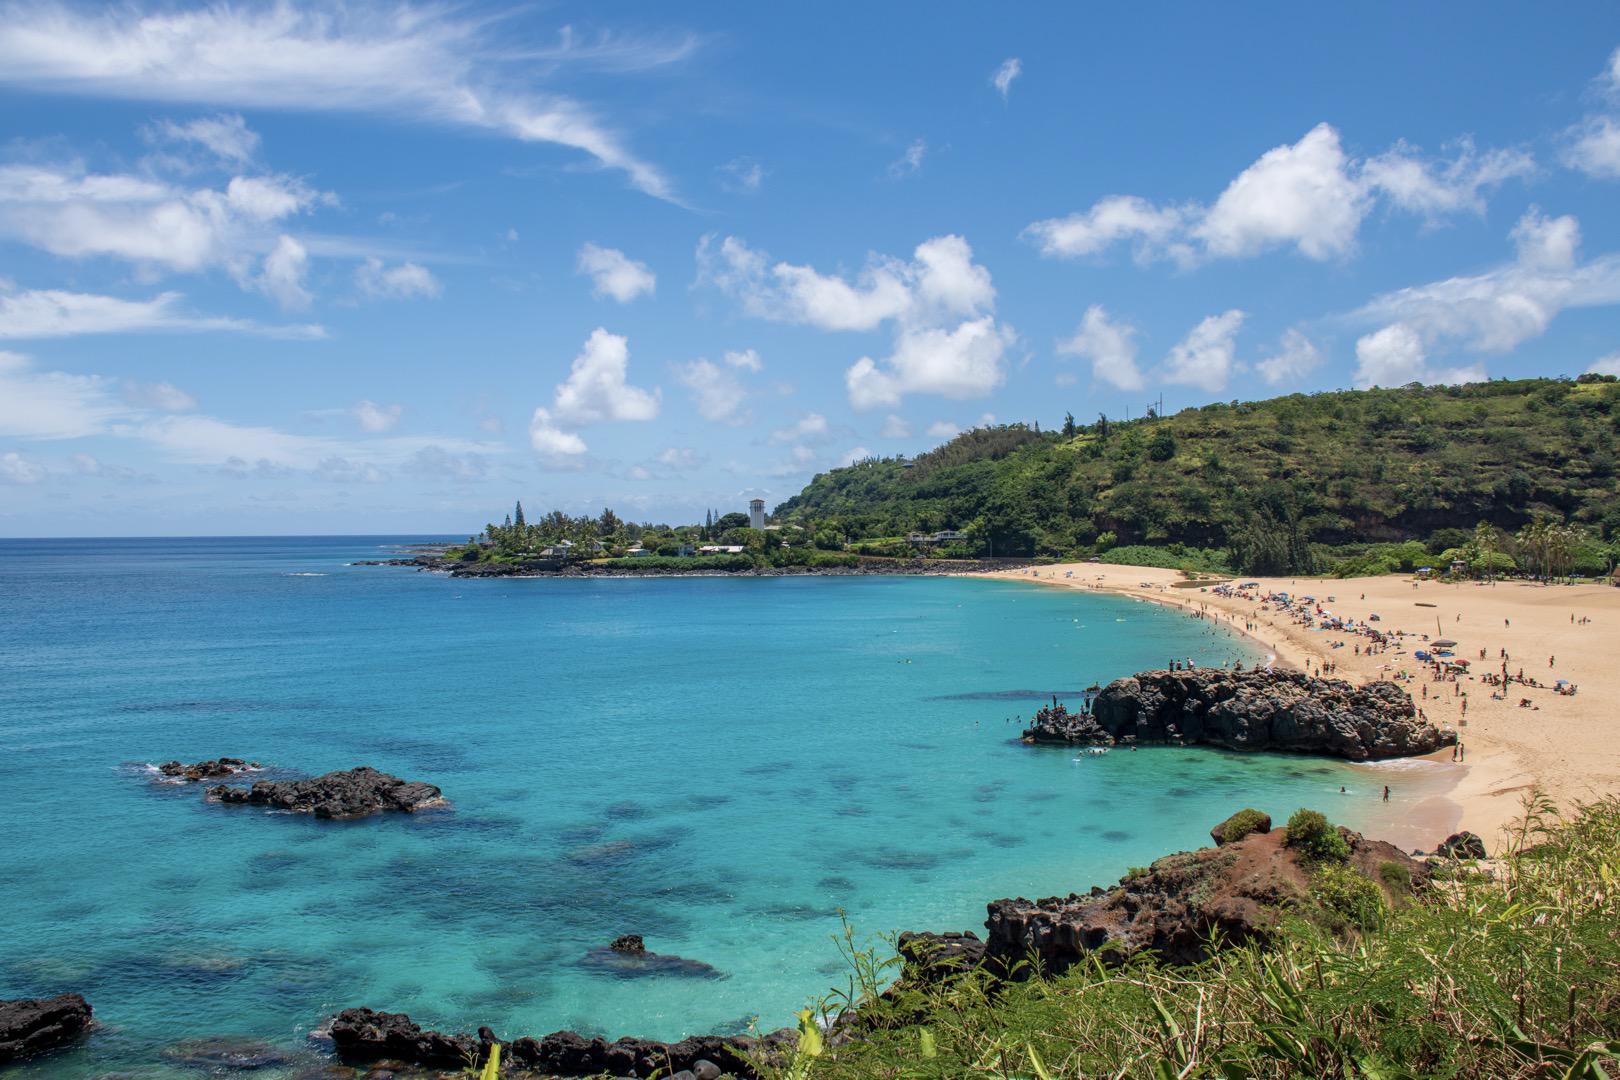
{"x": 302, "y": 573}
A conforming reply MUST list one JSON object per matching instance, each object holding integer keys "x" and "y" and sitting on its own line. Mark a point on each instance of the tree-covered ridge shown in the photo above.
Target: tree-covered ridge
{"x": 1288, "y": 483}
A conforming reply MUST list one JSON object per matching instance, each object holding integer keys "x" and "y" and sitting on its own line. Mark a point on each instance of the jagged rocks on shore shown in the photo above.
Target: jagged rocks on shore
{"x": 1463, "y": 845}
{"x": 30, "y": 1026}
{"x": 1249, "y": 710}
{"x": 1176, "y": 908}
{"x": 206, "y": 770}
{"x": 361, "y": 1035}
{"x": 352, "y": 793}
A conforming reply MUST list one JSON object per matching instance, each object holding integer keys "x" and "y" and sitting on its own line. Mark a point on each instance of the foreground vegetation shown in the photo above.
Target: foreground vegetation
{"x": 1294, "y": 484}
{"x": 1513, "y": 977}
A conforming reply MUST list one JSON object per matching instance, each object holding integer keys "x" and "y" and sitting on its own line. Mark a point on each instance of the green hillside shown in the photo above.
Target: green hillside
{"x": 1288, "y": 484}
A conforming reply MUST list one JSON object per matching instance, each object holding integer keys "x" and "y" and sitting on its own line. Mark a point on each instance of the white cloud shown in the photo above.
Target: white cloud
{"x": 1204, "y": 357}
{"x": 548, "y": 439}
{"x": 744, "y": 360}
{"x": 717, "y": 392}
{"x": 1110, "y": 346}
{"x": 614, "y": 274}
{"x": 1009, "y": 70}
{"x": 943, "y": 429}
{"x": 48, "y": 313}
{"x": 416, "y": 64}
{"x": 374, "y": 418}
{"x": 680, "y": 458}
{"x": 74, "y": 214}
{"x": 1395, "y": 356}
{"x": 852, "y": 455}
{"x": 403, "y": 282}
{"x": 895, "y": 427}
{"x": 910, "y": 161}
{"x": 1115, "y": 218}
{"x": 226, "y": 136}
{"x": 16, "y": 469}
{"x": 1498, "y": 310}
{"x": 163, "y": 396}
{"x": 434, "y": 462}
{"x": 1296, "y": 357}
{"x": 282, "y": 278}
{"x": 1606, "y": 365}
{"x": 811, "y": 426}
{"x": 946, "y": 339}
{"x": 596, "y": 391}
{"x": 1594, "y": 148}
{"x": 743, "y": 175}
{"x": 1310, "y": 196}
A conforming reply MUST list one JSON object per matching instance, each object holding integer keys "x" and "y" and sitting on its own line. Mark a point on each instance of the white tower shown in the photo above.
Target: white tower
{"x": 756, "y": 513}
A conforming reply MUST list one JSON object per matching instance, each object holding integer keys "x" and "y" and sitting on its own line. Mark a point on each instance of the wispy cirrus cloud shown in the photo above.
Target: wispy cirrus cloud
{"x": 413, "y": 63}
{"x": 54, "y": 313}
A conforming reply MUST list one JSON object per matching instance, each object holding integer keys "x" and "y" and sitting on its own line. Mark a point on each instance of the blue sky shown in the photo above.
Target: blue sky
{"x": 275, "y": 269}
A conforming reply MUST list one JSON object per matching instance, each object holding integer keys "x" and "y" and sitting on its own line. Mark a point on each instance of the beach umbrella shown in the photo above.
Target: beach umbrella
{"x": 1443, "y": 643}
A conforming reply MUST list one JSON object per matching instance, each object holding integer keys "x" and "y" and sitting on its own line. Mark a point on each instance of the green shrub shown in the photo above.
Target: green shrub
{"x": 1239, "y": 825}
{"x": 1316, "y": 838}
{"x": 1396, "y": 877}
{"x": 1346, "y": 898}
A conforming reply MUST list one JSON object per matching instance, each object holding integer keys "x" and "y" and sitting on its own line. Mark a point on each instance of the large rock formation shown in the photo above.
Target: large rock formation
{"x": 31, "y": 1026}
{"x": 351, "y": 794}
{"x": 1250, "y": 710}
{"x": 363, "y": 1035}
{"x": 1179, "y": 906}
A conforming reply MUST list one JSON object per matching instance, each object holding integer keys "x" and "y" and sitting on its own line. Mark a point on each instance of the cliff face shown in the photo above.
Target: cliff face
{"x": 1251, "y": 710}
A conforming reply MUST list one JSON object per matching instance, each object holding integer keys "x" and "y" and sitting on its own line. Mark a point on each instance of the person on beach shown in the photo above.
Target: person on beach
{"x": 1386, "y": 793}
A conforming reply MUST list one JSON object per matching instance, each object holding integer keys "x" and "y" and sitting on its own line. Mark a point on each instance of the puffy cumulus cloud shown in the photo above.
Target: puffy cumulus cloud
{"x": 943, "y": 429}
{"x": 615, "y": 274}
{"x": 52, "y": 313}
{"x": 1593, "y": 147}
{"x": 810, "y": 426}
{"x": 1395, "y": 356}
{"x": 17, "y": 469}
{"x": 434, "y": 65}
{"x": 1496, "y": 311}
{"x": 374, "y": 418}
{"x": 1296, "y": 357}
{"x": 853, "y": 455}
{"x": 1009, "y": 70}
{"x": 909, "y": 161}
{"x": 1310, "y": 196}
{"x": 895, "y": 427}
{"x": 1109, "y": 345}
{"x": 940, "y": 305}
{"x": 71, "y": 213}
{"x": 162, "y": 396}
{"x": 1204, "y": 357}
{"x": 1606, "y": 365}
{"x": 717, "y": 392}
{"x": 225, "y": 136}
{"x": 596, "y": 391}
{"x": 406, "y": 281}
{"x": 744, "y": 360}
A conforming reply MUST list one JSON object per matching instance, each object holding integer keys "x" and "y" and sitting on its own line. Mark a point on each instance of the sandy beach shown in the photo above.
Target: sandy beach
{"x": 1568, "y": 746}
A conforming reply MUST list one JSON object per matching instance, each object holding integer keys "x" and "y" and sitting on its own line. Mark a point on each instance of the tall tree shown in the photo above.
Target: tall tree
{"x": 517, "y": 515}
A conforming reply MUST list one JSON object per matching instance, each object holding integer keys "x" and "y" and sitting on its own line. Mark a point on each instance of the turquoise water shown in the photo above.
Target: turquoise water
{"x": 720, "y": 765}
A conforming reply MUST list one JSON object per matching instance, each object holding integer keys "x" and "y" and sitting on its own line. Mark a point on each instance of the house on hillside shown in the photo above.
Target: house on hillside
{"x": 636, "y": 551}
{"x": 943, "y": 536}
{"x": 562, "y": 549}
{"x": 721, "y": 549}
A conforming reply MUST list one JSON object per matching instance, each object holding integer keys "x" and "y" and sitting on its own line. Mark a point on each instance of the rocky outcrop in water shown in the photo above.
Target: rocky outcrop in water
{"x": 627, "y": 958}
{"x": 351, "y": 794}
{"x": 1250, "y": 710}
{"x": 30, "y": 1026}
{"x": 361, "y": 1035}
{"x": 206, "y": 770}
{"x": 1179, "y": 906}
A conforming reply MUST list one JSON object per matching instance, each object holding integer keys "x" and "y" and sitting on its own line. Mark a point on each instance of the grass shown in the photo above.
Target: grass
{"x": 1512, "y": 977}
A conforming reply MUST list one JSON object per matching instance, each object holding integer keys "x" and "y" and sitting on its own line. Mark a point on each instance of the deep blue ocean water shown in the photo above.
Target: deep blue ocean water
{"x": 722, "y": 765}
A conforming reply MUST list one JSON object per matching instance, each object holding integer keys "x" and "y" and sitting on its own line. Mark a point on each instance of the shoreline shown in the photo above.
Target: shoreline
{"x": 1558, "y": 744}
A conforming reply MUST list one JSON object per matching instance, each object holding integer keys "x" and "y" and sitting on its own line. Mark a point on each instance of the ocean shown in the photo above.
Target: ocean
{"x": 730, "y": 767}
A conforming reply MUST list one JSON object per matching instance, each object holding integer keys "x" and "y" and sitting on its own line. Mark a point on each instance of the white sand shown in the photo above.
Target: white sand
{"x": 1568, "y": 746}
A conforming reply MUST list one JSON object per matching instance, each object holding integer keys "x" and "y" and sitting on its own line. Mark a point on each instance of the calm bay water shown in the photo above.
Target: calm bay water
{"x": 718, "y": 764}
